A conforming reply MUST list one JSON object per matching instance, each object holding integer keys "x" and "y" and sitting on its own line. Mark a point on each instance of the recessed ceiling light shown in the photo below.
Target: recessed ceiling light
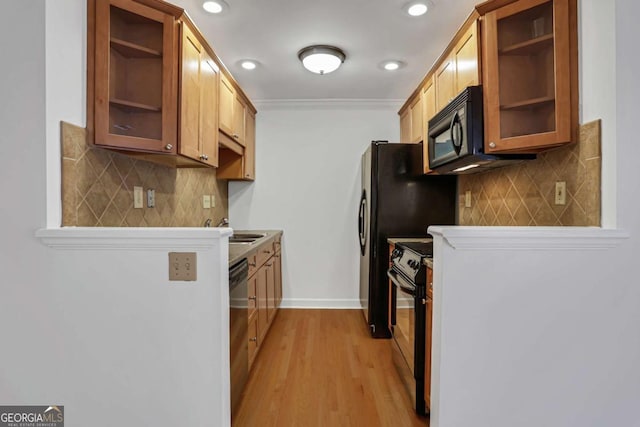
{"x": 248, "y": 64}
{"x": 418, "y": 8}
{"x": 391, "y": 65}
{"x": 321, "y": 59}
{"x": 215, "y": 6}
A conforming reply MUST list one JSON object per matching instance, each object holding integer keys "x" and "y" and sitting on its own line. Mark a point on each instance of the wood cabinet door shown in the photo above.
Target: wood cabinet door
{"x": 271, "y": 301}
{"x": 209, "y": 110}
{"x": 427, "y": 354}
{"x": 239, "y": 112}
{"x": 445, "y": 78}
{"x": 527, "y": 53}
{"x": 278, "y": 278}
{"x": 416, "y": 119}
{"x": 263, "y": 320}
{"x": 227, "y": 100}
{"x": 466, "y": 59}
{"x": 429, "y": 108}
{"x": 250, "y": 147}
{"x": 405, "y": 126}
{"x": 135, "y": 78}
{"x": 190, "y": 92}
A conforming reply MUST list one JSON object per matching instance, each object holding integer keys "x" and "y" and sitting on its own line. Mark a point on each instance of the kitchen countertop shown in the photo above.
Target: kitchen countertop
{"x": 237, "y": 251}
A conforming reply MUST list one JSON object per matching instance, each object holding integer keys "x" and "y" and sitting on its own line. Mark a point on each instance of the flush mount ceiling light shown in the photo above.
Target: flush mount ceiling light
{"x": 391, "y": 65}
{"x": 248, "y": 64}
{"x": 418, "y": 8}
{"x": 321, "y": 59}
{"x": 215, "y": 6}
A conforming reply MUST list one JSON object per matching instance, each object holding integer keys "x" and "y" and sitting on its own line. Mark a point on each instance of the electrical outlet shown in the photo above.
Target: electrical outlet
{"x": 213, "y": 200}
{"x": 137, "y": 198}
{"x": 467, "y": 199}
{"x": 151, "y": 198}
{"x": 182, "y": 266}
{"x": 561, "y": 192}
{"x": 206, "y": 201}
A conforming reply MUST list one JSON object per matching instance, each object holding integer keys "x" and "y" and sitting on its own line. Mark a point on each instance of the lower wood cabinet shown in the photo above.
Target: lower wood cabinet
{"x": 264, "y": 294}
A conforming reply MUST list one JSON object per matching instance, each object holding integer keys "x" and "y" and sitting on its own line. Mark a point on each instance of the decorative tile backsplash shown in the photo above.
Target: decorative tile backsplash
{"x": 524, "y": 194}
{"x": 97, "y": 189}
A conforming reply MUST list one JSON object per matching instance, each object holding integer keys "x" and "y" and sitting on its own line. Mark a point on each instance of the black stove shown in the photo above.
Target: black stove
{"x": 407, "y": 258}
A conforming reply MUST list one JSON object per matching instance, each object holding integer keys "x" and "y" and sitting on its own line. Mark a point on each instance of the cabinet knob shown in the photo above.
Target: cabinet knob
{"x": 236, "y": 136}
{"x": 168, "y": 147}
{"x": 204, "y": 157}
{"x": 252, "y": 264}
{"x": 253, "y": 339}
{"x": 492, "y": 144}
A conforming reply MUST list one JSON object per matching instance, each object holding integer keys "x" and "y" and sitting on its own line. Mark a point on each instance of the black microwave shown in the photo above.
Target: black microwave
{"x": 456, "y": 138}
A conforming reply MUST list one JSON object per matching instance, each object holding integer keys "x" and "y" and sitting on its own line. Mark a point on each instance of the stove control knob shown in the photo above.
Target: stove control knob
{"x": 397, "y": 253}
{"x": 413, "y": 264}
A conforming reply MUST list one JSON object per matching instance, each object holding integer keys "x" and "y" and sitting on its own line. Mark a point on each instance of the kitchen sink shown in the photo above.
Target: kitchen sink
{"x": 245, "y": 238}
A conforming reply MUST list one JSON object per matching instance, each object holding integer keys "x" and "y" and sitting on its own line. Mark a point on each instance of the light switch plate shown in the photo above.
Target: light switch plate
{"x": 137, "y": 198}
{"x": 467, "y": 199}
{"x": 182, "y": 266}
{"x": 561, "y": 192}
{"x": 206, "y": 201}
{"x": 213, "y": 200}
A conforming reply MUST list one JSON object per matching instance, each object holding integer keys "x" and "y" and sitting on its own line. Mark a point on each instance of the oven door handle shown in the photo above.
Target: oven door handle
{"x": 402, "y": 283}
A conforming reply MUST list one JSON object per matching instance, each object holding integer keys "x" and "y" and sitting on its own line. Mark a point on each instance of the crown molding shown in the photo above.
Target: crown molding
{"x": 329, "y": 104}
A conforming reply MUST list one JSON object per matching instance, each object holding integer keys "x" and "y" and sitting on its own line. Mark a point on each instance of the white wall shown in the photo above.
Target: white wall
{"x": 547, "y": 334}
{"x": 308, "y": 184}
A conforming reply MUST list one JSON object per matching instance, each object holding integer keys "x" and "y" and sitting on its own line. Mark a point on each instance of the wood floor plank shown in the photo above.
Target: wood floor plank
{"x": 321, "y": 368}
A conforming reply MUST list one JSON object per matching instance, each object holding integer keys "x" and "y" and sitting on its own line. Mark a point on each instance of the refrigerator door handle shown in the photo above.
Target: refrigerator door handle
{"x": 362, "y": 222}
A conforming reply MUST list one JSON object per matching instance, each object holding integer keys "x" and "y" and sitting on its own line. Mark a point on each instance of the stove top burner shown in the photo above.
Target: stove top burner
{"x": 423, "y": 249}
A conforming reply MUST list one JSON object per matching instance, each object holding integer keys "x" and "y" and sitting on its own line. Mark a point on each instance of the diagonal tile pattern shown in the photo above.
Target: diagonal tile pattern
{"x": 97, "y": 188}
{"x": 524, "y": 194}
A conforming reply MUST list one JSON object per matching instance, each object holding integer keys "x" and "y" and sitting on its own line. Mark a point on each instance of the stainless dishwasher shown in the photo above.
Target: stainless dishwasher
{"x": 238, "y": 330}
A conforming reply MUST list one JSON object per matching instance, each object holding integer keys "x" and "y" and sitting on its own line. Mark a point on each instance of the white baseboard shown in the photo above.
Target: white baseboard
{"x": 320, "y": 303}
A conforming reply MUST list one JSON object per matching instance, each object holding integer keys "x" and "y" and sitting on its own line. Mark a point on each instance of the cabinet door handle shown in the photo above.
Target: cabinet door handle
{"x": 252, "y": 264}
{"x": 269, "y": 264}
{"x": 266, "y": 251}
{"x": 253, "y": 339}
{"x": 253, "y": 298}
{"x": 492, "y": 144}
{"x": 236, "y": 136}
{"x": 168, "y": 147}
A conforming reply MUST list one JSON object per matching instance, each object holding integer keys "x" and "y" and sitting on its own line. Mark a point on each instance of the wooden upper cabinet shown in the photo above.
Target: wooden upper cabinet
{"x": 530, "y": 75}
{"x": 209, "y": 109}
{"x": 198, "y": 101}
{"x": 134, "y": 82}
{"x": 429, "y": 110}
{"x": 445, "y": 82}
{"x": 250, "y": 147}
{"x": 405, "y": 126}
{"x": 233, "y": 109}
{"x": 227, "y": 100}
{"x": 416, "y": 119}
{"x": 465, "y": 57}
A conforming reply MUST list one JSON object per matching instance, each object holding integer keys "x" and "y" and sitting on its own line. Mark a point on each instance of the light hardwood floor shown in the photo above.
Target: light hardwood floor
{"x": 321, "y": 368}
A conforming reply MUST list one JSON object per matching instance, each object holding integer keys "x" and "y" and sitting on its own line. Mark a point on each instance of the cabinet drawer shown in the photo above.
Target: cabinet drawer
{"x": 253, "y": 338}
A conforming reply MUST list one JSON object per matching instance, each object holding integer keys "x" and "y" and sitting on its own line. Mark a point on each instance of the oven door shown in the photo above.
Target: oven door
{"x": 404, "y": 330}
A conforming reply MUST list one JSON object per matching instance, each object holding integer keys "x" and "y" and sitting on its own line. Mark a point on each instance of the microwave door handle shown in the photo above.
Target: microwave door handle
{"x": 456, "y": 125}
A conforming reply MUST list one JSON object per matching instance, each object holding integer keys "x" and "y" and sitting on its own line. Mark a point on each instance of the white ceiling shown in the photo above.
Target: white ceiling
{"x": 369, "y": 31}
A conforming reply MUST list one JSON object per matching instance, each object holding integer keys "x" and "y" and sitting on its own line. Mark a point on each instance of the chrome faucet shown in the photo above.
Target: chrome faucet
{"x": 223, "y": 223}
{"x": 207, "y": 223}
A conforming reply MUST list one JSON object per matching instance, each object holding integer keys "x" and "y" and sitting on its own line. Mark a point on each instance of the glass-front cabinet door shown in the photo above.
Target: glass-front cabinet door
{"x": 527, "y": 76}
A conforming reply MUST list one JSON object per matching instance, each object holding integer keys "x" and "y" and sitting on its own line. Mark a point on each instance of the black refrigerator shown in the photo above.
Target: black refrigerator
{"x": 397, "y": 200}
